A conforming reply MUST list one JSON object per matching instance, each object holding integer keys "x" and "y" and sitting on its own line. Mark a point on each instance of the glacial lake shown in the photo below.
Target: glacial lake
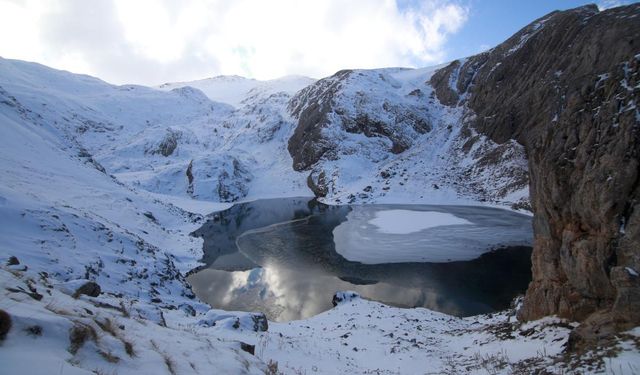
{"x": 287, "y": 257}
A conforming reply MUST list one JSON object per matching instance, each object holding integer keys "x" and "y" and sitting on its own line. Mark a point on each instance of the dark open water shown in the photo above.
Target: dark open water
{"x": 278, "y": 256}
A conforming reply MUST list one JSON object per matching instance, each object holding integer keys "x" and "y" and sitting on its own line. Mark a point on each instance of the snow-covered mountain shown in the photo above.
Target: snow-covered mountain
{"x": 357, "y": 136}
{"x": 177, "y": 142}
{"x": 103, "y": 183}
{"x": 66, "y": 221}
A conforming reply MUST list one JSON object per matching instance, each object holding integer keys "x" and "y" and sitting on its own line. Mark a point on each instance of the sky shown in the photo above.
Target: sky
{"x": 150, "y": 42}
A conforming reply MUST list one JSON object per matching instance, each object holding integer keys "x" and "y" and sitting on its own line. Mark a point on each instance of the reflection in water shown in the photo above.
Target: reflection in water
{"x": 285, "y": 294}
{"x": 278, "y": 256}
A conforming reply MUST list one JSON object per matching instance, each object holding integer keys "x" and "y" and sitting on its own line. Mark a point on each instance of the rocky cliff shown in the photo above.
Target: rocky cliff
{"x": 566, "y": 87}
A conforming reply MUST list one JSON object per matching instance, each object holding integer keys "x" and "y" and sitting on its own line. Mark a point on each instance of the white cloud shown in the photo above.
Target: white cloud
{"x": 608, "y": 4}
{"x": 153, "y": 41}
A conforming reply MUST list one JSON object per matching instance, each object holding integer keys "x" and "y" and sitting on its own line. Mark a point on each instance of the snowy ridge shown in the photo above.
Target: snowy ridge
{"x": 386, "y": 137}
{"x": 235, "y": 90}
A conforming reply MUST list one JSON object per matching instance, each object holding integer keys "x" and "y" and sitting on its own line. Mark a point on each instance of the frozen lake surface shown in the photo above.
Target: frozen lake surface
{"x": 377, "y": 234}
{"x": 287, "y": 257}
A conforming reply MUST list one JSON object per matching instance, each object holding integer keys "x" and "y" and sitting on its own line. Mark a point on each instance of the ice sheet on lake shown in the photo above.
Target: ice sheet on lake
{"x": 397, "y": 234}
{"x": 409, "y": 221}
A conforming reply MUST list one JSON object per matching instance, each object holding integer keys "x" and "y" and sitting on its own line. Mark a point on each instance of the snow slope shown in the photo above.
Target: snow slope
{"x": 66, "y": 220}
{"x": 63, "y": 335}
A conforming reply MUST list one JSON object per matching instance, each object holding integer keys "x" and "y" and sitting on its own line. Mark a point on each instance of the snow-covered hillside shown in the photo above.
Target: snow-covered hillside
{"x": 177, "y": 142}
{"x": 65, "y": 221}
{"x": 382, "y": 136}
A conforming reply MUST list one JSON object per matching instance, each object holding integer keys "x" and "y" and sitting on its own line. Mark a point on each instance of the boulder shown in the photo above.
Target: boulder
{"x": 76, "y": 288}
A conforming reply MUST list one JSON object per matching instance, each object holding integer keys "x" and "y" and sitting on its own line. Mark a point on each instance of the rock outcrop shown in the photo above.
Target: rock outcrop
{"x": 353, "y": 102}
{"x": 567, "y": 88}
{"x": 168, "y": 144}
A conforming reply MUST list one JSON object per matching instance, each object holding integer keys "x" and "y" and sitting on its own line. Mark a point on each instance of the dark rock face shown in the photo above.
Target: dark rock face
{"x": 566, "y": 87}
{"x": 189, "y": 174}
{"x": 318, "y": 184}
{"x": 311, "y": 106}
{"x": 442, "y": 81}
{"x": 232, "y": 184}
{"x": 251, "y": 349}
{"x": 13, "y": 261}
{"x": 341, "y": 297}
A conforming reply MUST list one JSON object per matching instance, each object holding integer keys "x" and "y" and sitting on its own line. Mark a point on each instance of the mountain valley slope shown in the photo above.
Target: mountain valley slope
{"x": 104, "y": 183}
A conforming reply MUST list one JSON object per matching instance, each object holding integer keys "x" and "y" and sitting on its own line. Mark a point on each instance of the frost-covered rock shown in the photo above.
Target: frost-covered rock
{"x": 342, "y": 297}
{"x": 382, "y": 134}
{"x": 256, "y": 322}
{"x": 369, "y": 103}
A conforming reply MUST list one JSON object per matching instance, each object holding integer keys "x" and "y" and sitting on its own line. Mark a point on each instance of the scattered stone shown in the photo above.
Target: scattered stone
{"x": 33, "y": 292}
{"x": 35, "y": 330}
{"x": 260, "y": 322}
{"x": 13, "y": 261}
{"x": 150, "y": 216}
{"x": 188, "y": 309}
{"x": 221, "y": 319}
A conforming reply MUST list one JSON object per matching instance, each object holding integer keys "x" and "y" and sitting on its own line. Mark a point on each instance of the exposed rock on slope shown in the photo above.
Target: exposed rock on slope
{"x": 567, "y": 88}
